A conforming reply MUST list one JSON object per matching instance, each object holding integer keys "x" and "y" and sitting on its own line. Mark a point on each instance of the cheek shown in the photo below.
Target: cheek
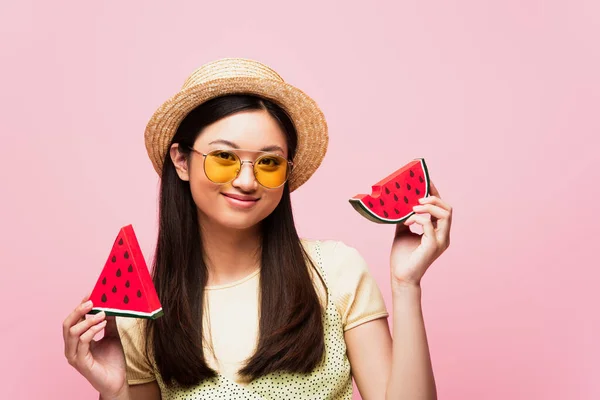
{"x": 270, "y": 200}
{"x": 203, "y": 190}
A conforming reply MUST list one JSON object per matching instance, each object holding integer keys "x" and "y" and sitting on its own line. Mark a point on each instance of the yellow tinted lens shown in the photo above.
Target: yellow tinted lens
{"x": 221, "y": 166}
{"x": 271, "y": 171}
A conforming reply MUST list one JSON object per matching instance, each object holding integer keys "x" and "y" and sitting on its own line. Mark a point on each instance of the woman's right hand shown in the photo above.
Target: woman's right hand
{"x": 101, "y": 362}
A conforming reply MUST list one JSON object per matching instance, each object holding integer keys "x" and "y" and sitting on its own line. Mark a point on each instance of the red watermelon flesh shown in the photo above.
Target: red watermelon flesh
{"x": 125, "y": 287}
{"x": 393, "y": 198}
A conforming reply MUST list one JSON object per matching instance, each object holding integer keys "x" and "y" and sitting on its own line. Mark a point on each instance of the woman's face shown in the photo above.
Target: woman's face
{"x": 243, "y": 202}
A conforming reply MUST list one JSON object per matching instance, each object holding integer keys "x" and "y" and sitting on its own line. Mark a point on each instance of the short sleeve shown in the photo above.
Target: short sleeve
{"x": 355, "y": 292}
{"x": 139, "y": 369}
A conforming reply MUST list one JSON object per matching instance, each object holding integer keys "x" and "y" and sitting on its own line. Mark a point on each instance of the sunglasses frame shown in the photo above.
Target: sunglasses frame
{"x": 290, "y": 164}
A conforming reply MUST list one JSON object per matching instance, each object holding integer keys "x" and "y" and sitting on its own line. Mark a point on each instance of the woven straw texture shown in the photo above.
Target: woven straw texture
{"x": 242, "y": 76}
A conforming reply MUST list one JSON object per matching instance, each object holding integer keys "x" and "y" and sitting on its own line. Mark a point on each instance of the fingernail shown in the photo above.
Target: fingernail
{"x": 421, "y": 200}
{"x": 100, "y": 315}
{"x": 87, "y": 304}
{"x": 416, "y": 208}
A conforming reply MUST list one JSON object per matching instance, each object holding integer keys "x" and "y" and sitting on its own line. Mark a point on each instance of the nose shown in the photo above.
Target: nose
{"x": 245, "y": 180}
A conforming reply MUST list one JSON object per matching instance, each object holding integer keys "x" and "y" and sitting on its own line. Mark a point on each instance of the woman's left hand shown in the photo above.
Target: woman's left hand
{"x": 412, "y": 253}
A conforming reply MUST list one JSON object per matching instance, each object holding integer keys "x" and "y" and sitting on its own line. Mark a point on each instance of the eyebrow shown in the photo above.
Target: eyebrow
{"x": 235, "y": 146}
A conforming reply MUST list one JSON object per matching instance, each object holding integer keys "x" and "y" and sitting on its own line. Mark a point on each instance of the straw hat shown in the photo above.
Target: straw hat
{"x": 237, "y": 75}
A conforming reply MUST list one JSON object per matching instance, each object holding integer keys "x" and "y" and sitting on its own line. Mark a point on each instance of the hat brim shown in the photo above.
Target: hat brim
{"x": 306, "y": 115}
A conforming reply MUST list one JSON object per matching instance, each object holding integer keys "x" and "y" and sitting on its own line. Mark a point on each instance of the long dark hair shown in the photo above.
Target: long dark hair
{"x": 290, "y": 327}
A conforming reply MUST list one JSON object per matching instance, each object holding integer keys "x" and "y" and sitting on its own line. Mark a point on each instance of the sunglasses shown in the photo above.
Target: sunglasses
{"x": 223, "y": 166}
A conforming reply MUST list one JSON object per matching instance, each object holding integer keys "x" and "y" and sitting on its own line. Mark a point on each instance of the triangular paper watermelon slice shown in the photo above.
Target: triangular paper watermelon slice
{"x": 393, "y": 198}
{"x": 125, "y": 287}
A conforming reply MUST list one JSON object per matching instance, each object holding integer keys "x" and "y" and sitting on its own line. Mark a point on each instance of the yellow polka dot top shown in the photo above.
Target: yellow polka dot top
{"x": 350, "y": 296}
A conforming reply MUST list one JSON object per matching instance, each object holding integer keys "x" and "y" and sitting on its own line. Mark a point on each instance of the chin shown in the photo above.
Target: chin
{"x": 239, "y": 222}
{"x": 234, "y": 219}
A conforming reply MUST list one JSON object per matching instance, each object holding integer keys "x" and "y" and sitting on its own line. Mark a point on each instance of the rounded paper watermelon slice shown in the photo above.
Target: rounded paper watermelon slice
{"x": 125, "y": 287}
{"x": 393, "y": 198}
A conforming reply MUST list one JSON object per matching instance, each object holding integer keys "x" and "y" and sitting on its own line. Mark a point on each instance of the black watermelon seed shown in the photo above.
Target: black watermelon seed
{"x": 421, "y": 179}
{"x": 406, "y": 199}
{"x": 130, "y": 268}
{"x": 120, "y": 242}
{"x": 114, "y": 289}
{"x": 397, "y": 212}
{"x": 119, "y": 272}
{"x": 103, "y": 298}
{"x": 126, "y": 299}
{"x": 408, "y": 186}
{"x": 370, "y": 205}
{"x": 139, "y": 293}
{"x": 397, "y": 185}
{"x": 385, "y": 213}
{"x": 127, "y": 284}
{"x": 395, "y": 197}
{"x": 104, "y": 281}
{"x": 387, "y": 191}
{"x": 418, "y": 191}
{"x": 381, "y": 201}
{"x": 114, "y": 259}
{"x": 126, "y": 255}
{"x": 412, "y": 173}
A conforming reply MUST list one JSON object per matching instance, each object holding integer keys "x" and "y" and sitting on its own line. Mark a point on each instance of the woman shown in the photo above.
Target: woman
{"x": 250, "y": 309}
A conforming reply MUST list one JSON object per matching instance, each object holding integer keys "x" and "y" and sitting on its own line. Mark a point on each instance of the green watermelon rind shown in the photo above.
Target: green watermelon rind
{"x": 371, "y": 216}
{"x": 128, "y": 313}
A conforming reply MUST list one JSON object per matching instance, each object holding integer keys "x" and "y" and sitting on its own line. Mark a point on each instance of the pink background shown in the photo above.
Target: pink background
{"x": 501, "y": 98}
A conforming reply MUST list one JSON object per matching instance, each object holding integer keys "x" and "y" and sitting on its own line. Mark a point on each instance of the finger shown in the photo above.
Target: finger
{"x": 75, "y": 334}
{"x": 424, "y": 221}
{"x": 78, "y": 329}
{"x": 443, "y": 218}
{"x": 418, "y": 210}
{"x": 436, "y": 211}
{"x": 435, "y": 200}
{"x": 76, "y": 316}
{"x": 83, "y": 345}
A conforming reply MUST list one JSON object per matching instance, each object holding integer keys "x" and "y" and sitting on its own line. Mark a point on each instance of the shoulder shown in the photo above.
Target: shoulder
{"x": 350, "y": 282}
{"x": 337, "y": 258}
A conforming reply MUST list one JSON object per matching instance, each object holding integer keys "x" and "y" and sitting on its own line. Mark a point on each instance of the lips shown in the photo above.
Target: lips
{"x": 240, "y": 197}
{"x": 240, "y": 201}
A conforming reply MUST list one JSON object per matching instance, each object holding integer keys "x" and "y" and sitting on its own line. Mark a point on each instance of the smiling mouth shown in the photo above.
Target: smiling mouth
{"x": 247, "y": 199}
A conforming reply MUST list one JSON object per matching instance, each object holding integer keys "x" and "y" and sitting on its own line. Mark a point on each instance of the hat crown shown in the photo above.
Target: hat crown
{"x": 231, "y": 68}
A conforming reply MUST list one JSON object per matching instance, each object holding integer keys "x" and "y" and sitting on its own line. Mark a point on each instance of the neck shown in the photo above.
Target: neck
{"x": 230, "y": 254}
